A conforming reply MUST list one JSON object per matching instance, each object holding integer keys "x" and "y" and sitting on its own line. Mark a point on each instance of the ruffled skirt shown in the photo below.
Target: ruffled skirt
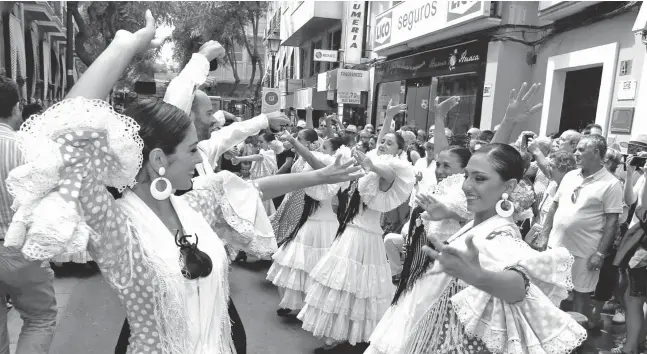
{"x": 294, "y": 261}
{"x": 351, "y": 288}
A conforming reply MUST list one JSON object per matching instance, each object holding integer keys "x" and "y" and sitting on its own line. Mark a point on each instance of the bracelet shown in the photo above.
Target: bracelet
{"x": 599, "y": 254}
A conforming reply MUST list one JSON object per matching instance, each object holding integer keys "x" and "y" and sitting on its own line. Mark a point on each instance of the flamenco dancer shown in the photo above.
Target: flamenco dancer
{"x": 487, "y": 290}
{"x": 313, "y": 235}
{"x": 287, "y": 215}
{"x": 79, "y": 146}
{"x": 352, "y": 286}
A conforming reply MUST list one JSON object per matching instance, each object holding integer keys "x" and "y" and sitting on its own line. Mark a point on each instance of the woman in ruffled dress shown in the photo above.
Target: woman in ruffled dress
{"x": 162, "y": 254}
{"x": 313, "y": 235}
{"x": 449, "y": 214}
{"x": 487, "y": 290}
{"x": 351, "y": 286}
{"x": 287, "y": 215}
{"x": 263, "y": 164}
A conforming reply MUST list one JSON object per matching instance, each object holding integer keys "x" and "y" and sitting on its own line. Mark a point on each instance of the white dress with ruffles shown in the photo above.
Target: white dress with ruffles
{"x": 442, "y": 314}
{"x": 264, "y": 168}
{"x": 352, "y": 285}
{"x": 77, "y": 148}
{"x": 294, "y": 261}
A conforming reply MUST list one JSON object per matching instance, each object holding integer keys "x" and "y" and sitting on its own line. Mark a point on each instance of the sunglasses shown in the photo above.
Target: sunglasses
{"x": 195, "y": 263}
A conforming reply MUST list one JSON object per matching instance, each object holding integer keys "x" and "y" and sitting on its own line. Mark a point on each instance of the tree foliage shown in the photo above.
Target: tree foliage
{"x": 99, "y": 21}
{"x": 232, "y": 23}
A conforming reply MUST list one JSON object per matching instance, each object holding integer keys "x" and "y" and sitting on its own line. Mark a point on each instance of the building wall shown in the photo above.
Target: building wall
{"x": 573, "y": 43}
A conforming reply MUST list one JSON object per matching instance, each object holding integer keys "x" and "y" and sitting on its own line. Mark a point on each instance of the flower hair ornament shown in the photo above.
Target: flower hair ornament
{"x": 167, "y": 191}
{"x": 195, "y": 263}
{"x": 504, "y": 207}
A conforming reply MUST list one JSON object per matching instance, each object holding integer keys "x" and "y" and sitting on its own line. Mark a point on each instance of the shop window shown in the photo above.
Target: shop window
{"x": 335, "y": 44}
{"x": 303, "y": 56}
{"x": 388, "y": 91}
{"x": 467, "y": 87}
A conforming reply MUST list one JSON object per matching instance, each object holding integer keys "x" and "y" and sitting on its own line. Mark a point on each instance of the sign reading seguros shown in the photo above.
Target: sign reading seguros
{"x": 412, "y": 19}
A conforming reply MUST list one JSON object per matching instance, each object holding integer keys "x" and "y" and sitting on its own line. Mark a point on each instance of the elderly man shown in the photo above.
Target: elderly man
{"x": 584, "y": 217}
{"x": 569, "y": 140}
{"x": 30, "y": 284}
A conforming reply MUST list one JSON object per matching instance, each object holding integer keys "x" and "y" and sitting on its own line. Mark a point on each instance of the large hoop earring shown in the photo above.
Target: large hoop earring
{"x": 499, "y": 207}
{"x": 161, "y": 195}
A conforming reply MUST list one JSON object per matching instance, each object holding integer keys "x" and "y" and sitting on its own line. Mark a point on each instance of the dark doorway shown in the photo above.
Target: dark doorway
{"x": 581, "y": 91}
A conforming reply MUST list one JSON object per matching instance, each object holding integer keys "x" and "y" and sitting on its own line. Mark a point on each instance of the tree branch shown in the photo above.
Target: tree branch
{"x": 82, "y": 36}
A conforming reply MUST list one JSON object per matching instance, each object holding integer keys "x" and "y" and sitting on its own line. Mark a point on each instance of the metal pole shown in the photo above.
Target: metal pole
{"x": 69, "y": 53}
{"x": 272, "y": 80}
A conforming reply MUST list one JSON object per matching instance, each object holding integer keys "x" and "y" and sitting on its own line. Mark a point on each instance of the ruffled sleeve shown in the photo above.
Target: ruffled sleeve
{"x": 265, "y": 167}
{"x": 533, "y": 325}
{"x": 327, "y": 191}
{"x": 235, "y": 211}
{"x": 450, "y": 192}
{"x": 73, "y": 151}
{"x": 398, "y": 193}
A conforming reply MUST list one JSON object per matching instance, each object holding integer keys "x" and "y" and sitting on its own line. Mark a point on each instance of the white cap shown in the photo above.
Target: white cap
{"x": 301, "y": 124}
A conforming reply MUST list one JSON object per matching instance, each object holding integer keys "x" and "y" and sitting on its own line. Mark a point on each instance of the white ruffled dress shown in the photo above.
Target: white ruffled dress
{"x": 77, "y": 148}
{"x": 294, "y": 261}
{"x": 264, "y": 168}
{"x": 352, "y": 285}
{"x": 442, "y": 314}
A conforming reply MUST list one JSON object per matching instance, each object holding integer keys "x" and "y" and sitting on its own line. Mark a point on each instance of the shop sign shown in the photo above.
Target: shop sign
{"x": 325, "y": 55}
{"x": 413, "y": 19}
{"x": 322, "y": 82}
{"x": 460, "y": 58}
{"x": 356, "y": 10}
{"x": 352, "y": 80}
{"x": 627, "y": 90}
{"x": 349, "y": 97}
{"x": 271, "y": 101}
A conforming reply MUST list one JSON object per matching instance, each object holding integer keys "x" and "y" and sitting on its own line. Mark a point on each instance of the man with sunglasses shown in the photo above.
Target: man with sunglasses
{"x": 584, "y": 218}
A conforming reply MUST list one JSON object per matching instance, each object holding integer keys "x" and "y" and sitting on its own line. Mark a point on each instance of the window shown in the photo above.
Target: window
{"x": 303, "y": 56}
{"x": 238, "y": 51}
{"x": 334, "y": 41}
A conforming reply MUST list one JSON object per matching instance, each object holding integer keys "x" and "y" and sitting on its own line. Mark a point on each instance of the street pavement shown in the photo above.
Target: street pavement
{"x": 90, "y": 318}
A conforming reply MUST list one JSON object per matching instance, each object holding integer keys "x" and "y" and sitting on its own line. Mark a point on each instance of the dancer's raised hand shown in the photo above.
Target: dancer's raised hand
{"x": 212, "y": 50}
{"x": 340, "y": 172}
{"x": 143, "y": 39}
{"x": 520, "y": 107}
{"x": 445, "y": 106}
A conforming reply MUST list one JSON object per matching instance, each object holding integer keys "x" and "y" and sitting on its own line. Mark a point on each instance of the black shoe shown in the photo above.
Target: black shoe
{"x": 241, "y": 257}
{"x": 283, "y": 312}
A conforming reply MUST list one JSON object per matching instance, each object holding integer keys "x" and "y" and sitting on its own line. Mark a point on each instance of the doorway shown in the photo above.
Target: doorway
{"x": 581, "y": 93}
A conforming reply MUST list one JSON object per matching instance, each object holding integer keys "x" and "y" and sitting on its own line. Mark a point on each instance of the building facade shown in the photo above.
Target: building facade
{"x": 33, "y": 48}
{"x": 586, "y": 55}
{"x": 321, "y": 58}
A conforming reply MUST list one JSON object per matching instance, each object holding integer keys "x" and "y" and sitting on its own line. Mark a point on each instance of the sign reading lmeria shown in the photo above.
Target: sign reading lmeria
{"x": 325, "y": 55}
{"x": 413, "y": 19}
{"x": 354, "y": 35}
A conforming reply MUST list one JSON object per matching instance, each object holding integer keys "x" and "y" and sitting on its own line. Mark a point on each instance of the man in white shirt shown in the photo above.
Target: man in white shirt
{"x": 182, "y": 93}
{"x": 584, "y": 217}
